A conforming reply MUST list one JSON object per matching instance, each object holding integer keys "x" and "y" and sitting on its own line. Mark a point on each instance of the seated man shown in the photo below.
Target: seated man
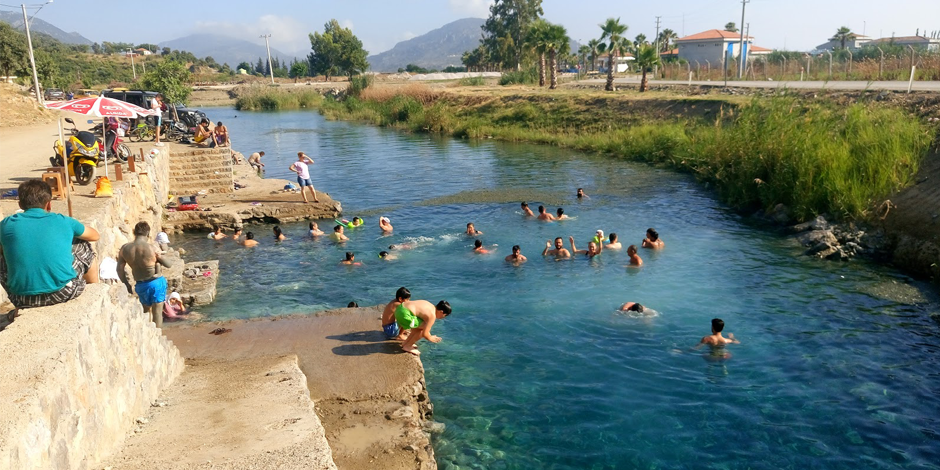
{"x": 389, "y": 325}
{"x": 255, "y": 161}
{"x": 144, "y": 261}
{"x": 45, "y": 258}
{"x": 220, "y": 135}
{"x": 203, "y": 136}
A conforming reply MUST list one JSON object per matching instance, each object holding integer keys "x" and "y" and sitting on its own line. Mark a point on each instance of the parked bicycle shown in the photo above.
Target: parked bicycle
{"x": 143, "y": 132}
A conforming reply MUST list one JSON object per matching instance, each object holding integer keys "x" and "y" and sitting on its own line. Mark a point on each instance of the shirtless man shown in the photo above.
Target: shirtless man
{"x": 632, "y": 307}
{"x": 386, "y": 225}
{"x": 249, "y": 240}
{"x": 526, "y": 211}
{"x": 478, "y": 248}
{"x": 337, "y": 235}
{"x": 516, "y": 257}
{"x": 472, "y": 231}
{"x": 717, "y": 342}
{"x": 545, "y": 215}
{"x": 593, "y": 250}
{"x": 255, "y": 161}
{"x": 614, "y": 243}
{"x": 418, "y": 316}
{"x": 315, "y": 230}
{"x": 635, "y": 259}
{"x": 652, "y": 240}
{"x": 386, "y": 256}
{"x": 403, "y": 246}
{"x": 581, "y": 194}
{"x": 143, "y": 260}
{"x": 350, "y": 260}
{"x": 561, "y": 214}
{"x": 217, "y": 234}
{"x": 237, "y": 234}
{"x": 389, "y": 325}
{"x": 559, "y": 252}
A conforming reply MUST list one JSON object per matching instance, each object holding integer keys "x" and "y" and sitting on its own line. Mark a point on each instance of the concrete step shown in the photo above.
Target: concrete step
{"x": 249, "y": 413}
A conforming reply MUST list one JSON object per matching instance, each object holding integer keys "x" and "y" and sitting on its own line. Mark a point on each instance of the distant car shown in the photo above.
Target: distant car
{"x": 86, "y": 93}
{"x": 190, "y": 117}
{"x": 53, "y": 94}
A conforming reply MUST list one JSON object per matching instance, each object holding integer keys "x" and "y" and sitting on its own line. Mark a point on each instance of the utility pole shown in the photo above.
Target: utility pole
{"x": 32, "y": 59}
{"x": 656, "y": 67}
{"x": 741, "y": 43}
{"x": 133, "y": 66}
{"x": 747, "y": 33}
{"x": 268, "y": 46}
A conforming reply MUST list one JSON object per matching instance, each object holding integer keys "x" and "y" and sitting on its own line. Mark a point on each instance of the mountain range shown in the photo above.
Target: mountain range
{"x": 435, "y": 50}
{"x": 224, "y": 49}
{"x": 37, "y": 25}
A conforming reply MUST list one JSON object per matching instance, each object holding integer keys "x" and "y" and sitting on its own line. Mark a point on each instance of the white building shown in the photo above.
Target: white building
{"x": 711, "y": 46}
{"x": 622, "y": 61}
{"x": 852, "y": 42}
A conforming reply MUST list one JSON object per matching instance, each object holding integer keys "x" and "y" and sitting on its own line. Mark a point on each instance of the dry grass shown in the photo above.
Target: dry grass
{"x": 382, "y": 93}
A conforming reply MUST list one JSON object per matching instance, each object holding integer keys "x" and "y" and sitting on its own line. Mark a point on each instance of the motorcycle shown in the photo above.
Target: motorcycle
{"x": 83, "y": 150}
{"x": 116, "y": 148}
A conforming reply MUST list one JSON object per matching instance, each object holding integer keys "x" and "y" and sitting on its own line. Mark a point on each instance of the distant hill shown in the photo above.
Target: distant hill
{"x": 37, "y": 25}
{"x": 225, "y": 49}
{"x": 435, "y": 50}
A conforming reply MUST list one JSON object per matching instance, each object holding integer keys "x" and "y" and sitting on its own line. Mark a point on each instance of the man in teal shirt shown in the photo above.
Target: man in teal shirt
{"x": 45, "y": 258}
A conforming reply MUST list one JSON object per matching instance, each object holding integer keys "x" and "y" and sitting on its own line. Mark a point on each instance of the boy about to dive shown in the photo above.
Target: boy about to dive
{"x": 418, "y": 316}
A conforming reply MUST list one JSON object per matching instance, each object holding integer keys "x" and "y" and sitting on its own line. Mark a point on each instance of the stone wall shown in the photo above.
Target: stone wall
{"x": 77, "y": 375}
{"x": 193, "y": 170}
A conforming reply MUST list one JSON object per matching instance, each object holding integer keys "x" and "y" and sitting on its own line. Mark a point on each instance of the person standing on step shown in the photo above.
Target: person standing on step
{"x": 303, "y": 175}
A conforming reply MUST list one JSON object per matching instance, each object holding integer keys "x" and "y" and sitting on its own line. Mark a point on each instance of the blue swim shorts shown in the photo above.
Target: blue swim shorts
{"x": 304, "y": 182}
{"x": 391, "y": 330}
{"x": 152, "y": 291}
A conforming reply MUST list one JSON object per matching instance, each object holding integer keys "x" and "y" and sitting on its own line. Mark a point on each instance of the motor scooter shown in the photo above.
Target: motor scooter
{"x": 83, "y": 150}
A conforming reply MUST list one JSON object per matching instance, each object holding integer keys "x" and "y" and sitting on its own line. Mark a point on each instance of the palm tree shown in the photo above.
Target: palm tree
{"x": 640, "y": 39}
{"x": 613, "y": 30}
{"x": 583, "y": 52}
{"x": 557, "y": 41}
{"x": 665, "y": 40}
{"x": 595, "y": 45}
{"x": 646, "y": 58}
{"x": 731, "y": 27}
{"x": 537, "y": 39}
{"x": 843, "y": 34}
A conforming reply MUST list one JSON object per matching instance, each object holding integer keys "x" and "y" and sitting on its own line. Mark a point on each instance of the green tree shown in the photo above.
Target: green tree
{"x": 558, "y": 42}
{"x": 613, "y": 31}
{"x": 843, "y": 34}
{"x": 260, "y": 67}
{"x": 640, "y": 40}
{"x": 245, "y": 66}
{"x": 731, "y": 27}
{"x": 96, "y": 48}
{"x": 666, "y": 38}
{"x": 148, "y": 46}
{"x": 595, "y": 46}
{"x": 505, "y": 30}
{"x": 298, "y": 69}
{"x": 646, "y": 58}
{"x": 337, "y": 51}
{"x": 537, "y": 39}
{"x": 12, "y": 50}
{"x": 583, "y": 52}
{"x": 170, "y": 78}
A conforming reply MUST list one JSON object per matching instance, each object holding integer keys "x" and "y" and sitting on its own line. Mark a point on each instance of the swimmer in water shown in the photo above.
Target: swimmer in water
{"x": 403, "y": 246}
{"x": 417, "y": 317}
{"x": 249, "y": 240}
{"x": 635, "y": 259}
{"x": 516, "y": 257}
{"x": 357, "y": 221}
{"x": 561, "y": 214}
{"x": 581, "y": 194}
{"x": 559, "y": 252}
{"x": 716, "y": 342}
{"x": 238, "y": 233}
{"x": 593, "y": 250}
{"x": 352, "y": 305}
{"x": 389, "y": 325}
{"x": 545, "y": 215}
{"x": 526, "y": 211}
{"x": 315, "y": 230}
{"x": 278, "y": 234}
{"x": 472, "y": 231}
{"x": 478, "y": 248}
{"x": 385, "y": 224}
{"x": 386, "y": 256}
{"x": 652, "y": 240}
{"x": 350, "y": 260}
{"x": 632, "y": 307}
{"x": 217, "y": 234}
{"x": 613, "y": 244}
{"x": 337, "y": 235}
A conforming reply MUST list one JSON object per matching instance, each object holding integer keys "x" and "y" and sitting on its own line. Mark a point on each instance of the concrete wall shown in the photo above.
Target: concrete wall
{"x": 194, "y": 170}
{"x": 711, "y": 50}
{"x": 75, "y": 376}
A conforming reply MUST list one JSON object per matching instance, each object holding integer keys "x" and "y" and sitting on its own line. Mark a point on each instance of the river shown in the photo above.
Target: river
{"x": 537, "y": 369}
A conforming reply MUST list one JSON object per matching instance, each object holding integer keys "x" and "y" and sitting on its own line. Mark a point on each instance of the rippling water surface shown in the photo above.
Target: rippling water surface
{"x": 537, "y": 370}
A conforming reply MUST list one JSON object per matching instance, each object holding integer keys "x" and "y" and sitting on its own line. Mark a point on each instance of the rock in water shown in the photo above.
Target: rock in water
{"x": 816, "y": 237}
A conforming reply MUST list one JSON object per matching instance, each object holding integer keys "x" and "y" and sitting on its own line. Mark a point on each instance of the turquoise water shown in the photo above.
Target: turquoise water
{"x": 537, "y": 369}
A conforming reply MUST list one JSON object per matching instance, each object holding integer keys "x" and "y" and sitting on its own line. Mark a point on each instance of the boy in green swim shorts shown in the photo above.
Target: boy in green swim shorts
{"x": 418, "y": 316}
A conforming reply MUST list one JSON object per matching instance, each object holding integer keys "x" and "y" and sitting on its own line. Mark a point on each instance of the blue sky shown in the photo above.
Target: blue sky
{"x": 777, "y": 24}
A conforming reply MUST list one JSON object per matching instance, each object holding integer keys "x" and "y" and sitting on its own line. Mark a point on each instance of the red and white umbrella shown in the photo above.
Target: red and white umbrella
{"x": 102, "y": 107}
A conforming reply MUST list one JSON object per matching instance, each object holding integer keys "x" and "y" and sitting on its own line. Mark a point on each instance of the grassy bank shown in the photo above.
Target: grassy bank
{"x": 277, "y": 99}
{"x": 814, "y": 157}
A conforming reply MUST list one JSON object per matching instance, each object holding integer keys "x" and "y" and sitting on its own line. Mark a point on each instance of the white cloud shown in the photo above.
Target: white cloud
{"x": 348, "y": 24}
{"x": 477, "y": 8}
{"x": 287, "y": 34}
